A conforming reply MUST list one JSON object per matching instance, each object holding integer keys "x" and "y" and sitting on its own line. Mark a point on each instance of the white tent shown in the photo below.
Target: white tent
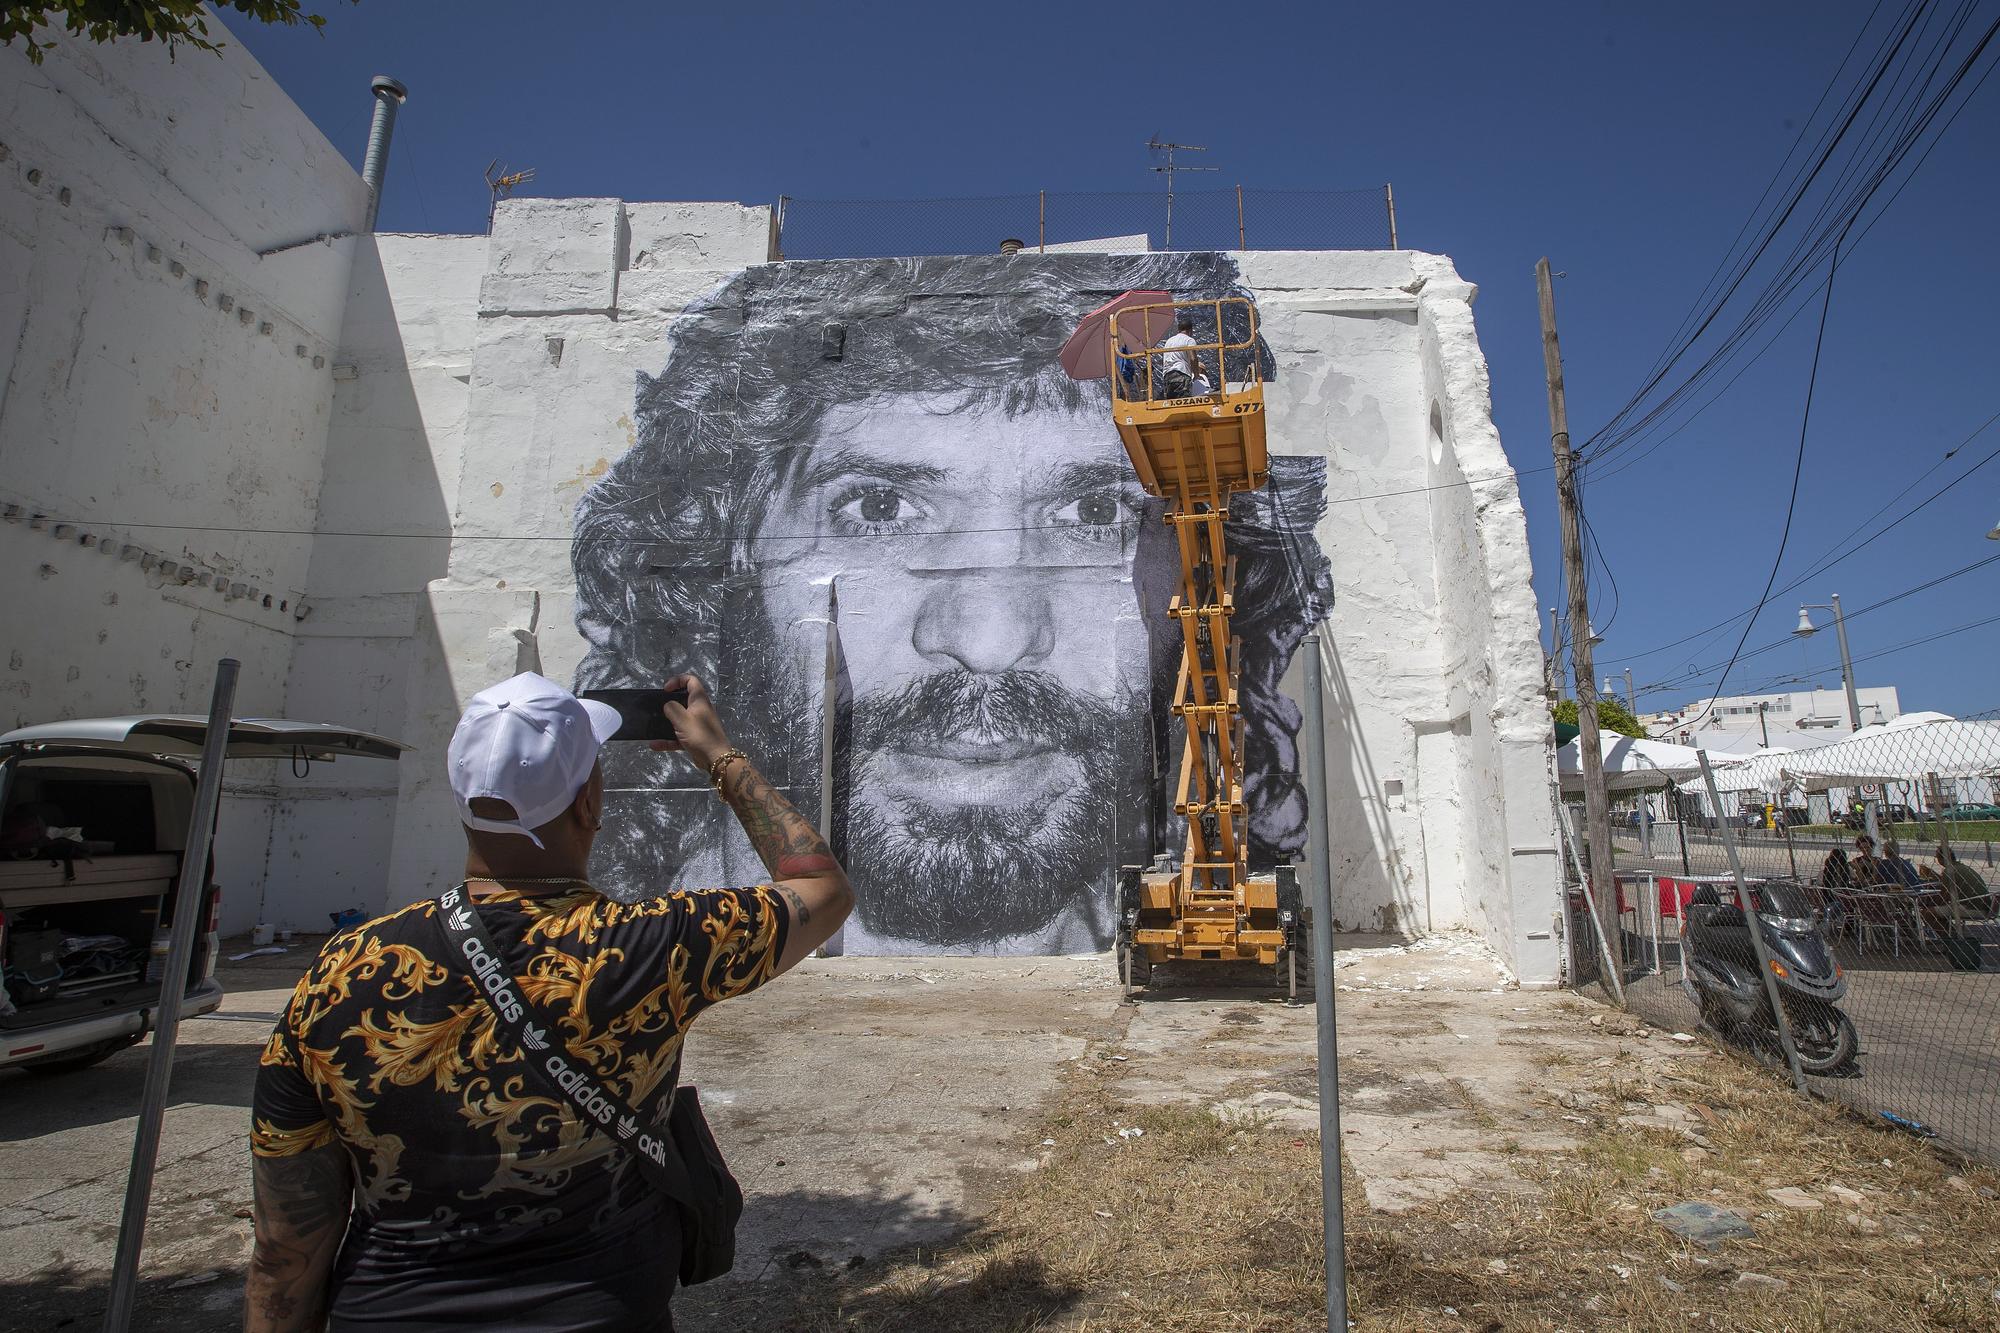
{"x": 1914, "y": 746}
{"x": 1763, "y": 771}
{"x": 1630, "y": 764}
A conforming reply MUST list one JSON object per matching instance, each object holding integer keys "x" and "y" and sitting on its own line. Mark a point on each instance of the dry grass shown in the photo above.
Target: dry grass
{"x": 1200, "y": 1226}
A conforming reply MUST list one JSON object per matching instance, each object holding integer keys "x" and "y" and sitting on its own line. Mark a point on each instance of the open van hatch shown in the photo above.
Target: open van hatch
{"x": 93, "y": 822}
{"x": 180, "y": 736}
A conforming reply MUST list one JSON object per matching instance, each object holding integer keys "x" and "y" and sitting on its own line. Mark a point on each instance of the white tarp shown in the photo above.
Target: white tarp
{"x": 1914, "y": 746}
{"x": 1630, "y": 764}
{"x": 1764, "y": 771}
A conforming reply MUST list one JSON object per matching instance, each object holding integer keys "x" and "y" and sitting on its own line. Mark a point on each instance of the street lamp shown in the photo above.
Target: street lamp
{"x": 1806, "y": 629}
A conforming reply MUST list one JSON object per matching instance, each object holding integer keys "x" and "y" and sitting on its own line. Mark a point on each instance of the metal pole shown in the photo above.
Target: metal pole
{"x": 1755, "y": 923}
{"x": 1320, "y": 866}
{"x": 1645, "y": 797}
{"x": 389, "y": 95}
{"x": 1241, "y": 244}
{"x": 189, "y": 892}
{"x": 1042, "y": 222}
{"x": 1846, "y": 667}
{"x": 1607, "y": 966}
{"x": 1389, "y": 196}
{"x": 828, "y": 699}
{"x": 1596, "y": 805}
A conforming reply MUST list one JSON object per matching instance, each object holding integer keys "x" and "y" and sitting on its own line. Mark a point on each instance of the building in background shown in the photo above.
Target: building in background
{"x": 1794, "y": 720}
{"x": 236, "y": 424}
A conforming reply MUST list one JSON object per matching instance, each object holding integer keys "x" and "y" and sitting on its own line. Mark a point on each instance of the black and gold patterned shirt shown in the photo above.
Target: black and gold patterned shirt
{"x": 479, "y": 1199}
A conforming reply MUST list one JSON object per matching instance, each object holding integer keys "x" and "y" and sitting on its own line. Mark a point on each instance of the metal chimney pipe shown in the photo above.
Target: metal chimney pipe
{"x": 389, "y": 95}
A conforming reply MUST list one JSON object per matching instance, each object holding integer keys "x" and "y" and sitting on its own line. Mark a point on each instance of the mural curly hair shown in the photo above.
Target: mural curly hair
{"x": 662, "y": 543}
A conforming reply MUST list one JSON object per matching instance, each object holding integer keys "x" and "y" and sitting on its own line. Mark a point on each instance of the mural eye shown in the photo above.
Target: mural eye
{"x": 882, "y": 506}
{"x": 1097, "y": 510}
{"x": 875, "y": 508}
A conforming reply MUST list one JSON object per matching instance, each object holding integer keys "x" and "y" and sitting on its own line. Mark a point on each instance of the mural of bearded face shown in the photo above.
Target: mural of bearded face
{"x": 994, "y": 575}
{"x": 898, "y": 434}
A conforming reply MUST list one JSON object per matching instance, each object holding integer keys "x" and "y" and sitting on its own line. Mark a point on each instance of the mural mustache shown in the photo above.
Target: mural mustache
{"x": 984, "y": 804}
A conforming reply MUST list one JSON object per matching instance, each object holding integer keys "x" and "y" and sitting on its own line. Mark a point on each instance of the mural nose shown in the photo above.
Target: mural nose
{"x": 1003, "y": 626}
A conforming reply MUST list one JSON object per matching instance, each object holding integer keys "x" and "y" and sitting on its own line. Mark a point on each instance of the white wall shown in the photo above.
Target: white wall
{"x": 574, "y": 301}
{"x": 164, "y": 390}
{"x": 1432, "y": 697}
{"x": 1437, "y": 735}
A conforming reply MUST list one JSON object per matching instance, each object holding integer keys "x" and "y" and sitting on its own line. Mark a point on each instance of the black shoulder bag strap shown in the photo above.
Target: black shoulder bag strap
{"x": 683, "y": 1162}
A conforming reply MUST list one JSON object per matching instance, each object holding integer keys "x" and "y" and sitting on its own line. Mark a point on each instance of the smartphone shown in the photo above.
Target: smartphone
{"x": 639, "y": 711}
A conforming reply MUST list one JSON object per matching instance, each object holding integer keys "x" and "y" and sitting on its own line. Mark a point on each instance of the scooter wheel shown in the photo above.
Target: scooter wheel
{"x": 1824, "y": 1038}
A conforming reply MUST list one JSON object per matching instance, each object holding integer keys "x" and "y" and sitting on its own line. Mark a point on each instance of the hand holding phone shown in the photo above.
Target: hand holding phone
{"x": 641, "y": 713}
{"x": 677, "y": 716}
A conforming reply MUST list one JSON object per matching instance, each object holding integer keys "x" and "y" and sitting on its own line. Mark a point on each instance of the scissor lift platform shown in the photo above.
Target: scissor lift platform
{"x": 1198, "y": 452}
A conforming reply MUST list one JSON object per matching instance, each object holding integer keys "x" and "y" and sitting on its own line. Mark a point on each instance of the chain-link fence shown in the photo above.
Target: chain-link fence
{"x": 1230, "y": 219}
{"x": 1871, "y": 865}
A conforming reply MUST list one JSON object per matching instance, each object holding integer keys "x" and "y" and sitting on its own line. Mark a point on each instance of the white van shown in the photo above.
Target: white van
{"x": 93, "y": 821}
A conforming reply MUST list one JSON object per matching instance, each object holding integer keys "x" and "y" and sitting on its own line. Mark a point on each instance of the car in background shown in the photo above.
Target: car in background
{"x": 1965, "y": 814}
{"x": 94, "y": 817}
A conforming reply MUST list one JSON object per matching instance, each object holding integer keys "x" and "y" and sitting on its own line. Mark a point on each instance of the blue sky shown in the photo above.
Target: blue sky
{"x": 1627, "y": 143}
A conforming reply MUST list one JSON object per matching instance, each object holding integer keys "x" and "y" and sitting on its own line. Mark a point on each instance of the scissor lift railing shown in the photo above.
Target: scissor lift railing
{"x": 1197, "y": 452}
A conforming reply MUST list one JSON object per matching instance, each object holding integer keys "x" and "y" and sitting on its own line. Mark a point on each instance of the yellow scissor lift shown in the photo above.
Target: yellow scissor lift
{"x": 1196, "y": 452}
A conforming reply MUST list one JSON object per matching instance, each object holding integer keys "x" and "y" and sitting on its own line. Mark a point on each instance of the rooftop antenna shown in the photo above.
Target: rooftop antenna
{"x": 1154, "y": 146}
{"x": 506, "y": 182}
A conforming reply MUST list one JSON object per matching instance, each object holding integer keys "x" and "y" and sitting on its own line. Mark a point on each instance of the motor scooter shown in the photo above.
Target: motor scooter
{"x": 1725, "y": 982}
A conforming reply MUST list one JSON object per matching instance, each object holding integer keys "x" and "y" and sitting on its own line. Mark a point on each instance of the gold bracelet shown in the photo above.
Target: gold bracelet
{"x": 715, "y": 766}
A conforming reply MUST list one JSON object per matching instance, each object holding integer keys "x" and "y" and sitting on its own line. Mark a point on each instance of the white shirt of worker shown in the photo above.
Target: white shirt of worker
{"x": 1184, "y": 362}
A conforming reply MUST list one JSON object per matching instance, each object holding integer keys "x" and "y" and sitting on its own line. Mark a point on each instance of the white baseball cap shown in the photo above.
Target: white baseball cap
{"x": 528, "y": 742}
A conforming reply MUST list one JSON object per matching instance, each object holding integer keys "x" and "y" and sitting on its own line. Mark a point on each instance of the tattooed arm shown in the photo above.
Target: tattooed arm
{"x": 803, "y": 870}
{"x": 299, "y": 1215}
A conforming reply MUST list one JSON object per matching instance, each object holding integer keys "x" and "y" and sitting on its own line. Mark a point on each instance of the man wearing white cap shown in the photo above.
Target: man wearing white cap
{"x": 412, "y": 1168}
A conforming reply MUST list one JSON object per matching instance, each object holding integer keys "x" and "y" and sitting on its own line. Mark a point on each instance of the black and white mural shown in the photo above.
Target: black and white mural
{"x": 900, "y": 432}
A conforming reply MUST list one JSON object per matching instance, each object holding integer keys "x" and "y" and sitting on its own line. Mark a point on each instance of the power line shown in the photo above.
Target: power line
{"x": 1827, "y": 560}
{"x": 1798, "y": 470}
{"x": 1847, "y": 199}
{"x": 1695, "y": 674}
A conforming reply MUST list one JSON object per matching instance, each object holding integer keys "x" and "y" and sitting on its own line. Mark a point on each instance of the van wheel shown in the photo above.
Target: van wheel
{"x": 81, "y": 1058}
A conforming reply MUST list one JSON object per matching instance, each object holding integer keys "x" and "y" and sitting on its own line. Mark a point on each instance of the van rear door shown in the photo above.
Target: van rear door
{"x": 181, "y": 735}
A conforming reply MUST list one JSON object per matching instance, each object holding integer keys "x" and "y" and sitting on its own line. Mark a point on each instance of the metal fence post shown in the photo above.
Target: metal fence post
{"x": 1042, "y": 221}
{"x": 189, "y": 890}
{"x": 1389, "y": 197}
{"x": 1241, "y": 244}
{"x": 1607, "y": 965}
{"x": 1754, "y": 922}
{"x": 775, "y": 251}
{"x": 1320, "y": 867}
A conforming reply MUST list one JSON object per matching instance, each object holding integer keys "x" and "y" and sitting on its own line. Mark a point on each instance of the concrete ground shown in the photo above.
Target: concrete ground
{"x": 870, "y": 1104}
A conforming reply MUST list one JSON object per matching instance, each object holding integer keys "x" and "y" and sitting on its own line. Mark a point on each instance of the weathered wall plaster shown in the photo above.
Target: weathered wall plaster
{"x": 164, "y": 390}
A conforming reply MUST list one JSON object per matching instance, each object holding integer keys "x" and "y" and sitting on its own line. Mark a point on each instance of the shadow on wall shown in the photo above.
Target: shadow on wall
{"x": 356, "y": 661}
{"x": 1368, "y": 870}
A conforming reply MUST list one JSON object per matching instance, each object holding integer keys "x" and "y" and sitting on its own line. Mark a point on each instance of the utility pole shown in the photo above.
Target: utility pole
{"x": 1553, "y": 675}
{"x": 1762, "y": 726}
{"x": 1596, "y": 808}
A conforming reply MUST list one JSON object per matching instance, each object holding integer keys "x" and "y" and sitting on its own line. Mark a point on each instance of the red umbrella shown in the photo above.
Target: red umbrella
{"x": 1087, "y": 354}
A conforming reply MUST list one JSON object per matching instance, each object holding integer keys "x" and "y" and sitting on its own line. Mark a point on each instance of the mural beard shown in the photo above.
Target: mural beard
{"x": 938, "y": 872}
{"x": 985, "y": 807}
